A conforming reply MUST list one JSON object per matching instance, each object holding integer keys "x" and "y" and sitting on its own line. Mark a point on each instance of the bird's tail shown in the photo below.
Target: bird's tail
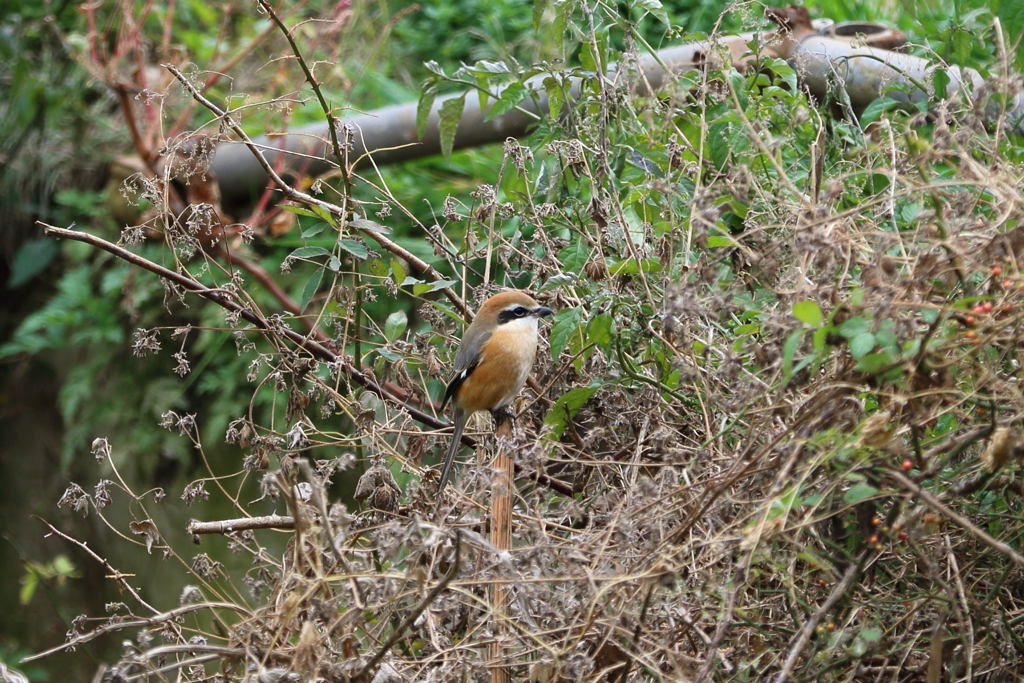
{"x": 453, "y": 448}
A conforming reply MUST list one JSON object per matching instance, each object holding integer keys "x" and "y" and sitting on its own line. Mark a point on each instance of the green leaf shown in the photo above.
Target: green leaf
{"x": 1011, "y": 14}
{"x": 565, "y": 408}
{"x": 575, "y": 256}
{"x": 808, "y": 312}
{"x": 600, "y": 331}
{"x": 788, "y": 351}
{"x": 427, "y": 287}
{"x": 395, "y": 325}
{"x": 510, "y": 97}
{"x": 853, "y": 327}
{"x": 369, "y": 226}
{"x": 719, "y": 241}
{"x": 29, "y": 582}
{"x": 859, "y": 492}
{"x": 297, "y": 209}
{"x": 309, "y": 252}
{"x": 566, "y": 322}
{"x": 876, "y": 109}
{"x": 862, "y": 345}
{"x": 629, "y": 267}
{"x": 539, "y": 7}
{"x": 940, "y": 82}
{"x": 962, "y": 44}
{"x": 655, "y": 8}
{"x": 723, "y": 140}
{"x": 357, "y": 249}
{"x": 324, "y": 214}
{"x": 309, "y": 290}
{"x": 871, "y": 634}
{"x": 451, "y": 113}
{"x": 397, "y": 271}
{"x": 31, "y": 259}
{"x": 424, "y": 107}
{"x": 314, "y": 231}
{"x": 873, "y": 362}
{"x": 378, "y": 268}
{"x": 556, "y": 96}
{"x": 438, "y": 285}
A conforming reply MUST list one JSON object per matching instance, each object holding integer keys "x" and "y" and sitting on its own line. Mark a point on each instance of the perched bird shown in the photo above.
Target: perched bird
{"x": 493, "y": 361}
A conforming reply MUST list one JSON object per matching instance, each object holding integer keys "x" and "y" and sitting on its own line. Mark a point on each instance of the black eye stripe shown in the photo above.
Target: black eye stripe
{"x": 510, "y": 314}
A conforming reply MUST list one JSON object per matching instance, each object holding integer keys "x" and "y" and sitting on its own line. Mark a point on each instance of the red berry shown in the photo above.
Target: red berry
{"x": 907, "y": 465}
{"x": 902, "y": 536}
{"x": 987, "y": 307}
{"x": 873, "y": 540}
{"x": 997, "y": 270}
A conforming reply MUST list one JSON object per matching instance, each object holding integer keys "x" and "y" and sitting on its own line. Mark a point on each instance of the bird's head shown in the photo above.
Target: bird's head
{"x": 510, "y": 308}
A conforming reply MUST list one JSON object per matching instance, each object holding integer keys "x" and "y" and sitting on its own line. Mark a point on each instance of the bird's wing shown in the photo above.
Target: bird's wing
{"x": 468, "y": 357}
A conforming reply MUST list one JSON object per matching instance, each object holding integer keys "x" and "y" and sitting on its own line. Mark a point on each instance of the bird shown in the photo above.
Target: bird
{"x": 493, "y": 362}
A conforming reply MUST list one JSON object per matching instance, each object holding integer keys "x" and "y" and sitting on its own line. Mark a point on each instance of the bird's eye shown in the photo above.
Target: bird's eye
{"x": 519, "y": 311}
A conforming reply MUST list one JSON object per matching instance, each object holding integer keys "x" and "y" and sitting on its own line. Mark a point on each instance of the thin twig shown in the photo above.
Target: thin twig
{"x": 221, "y": 298}
{"x": 160, "y": 618}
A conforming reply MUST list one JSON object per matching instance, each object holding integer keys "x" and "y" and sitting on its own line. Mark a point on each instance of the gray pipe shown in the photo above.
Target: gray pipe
{"x": 866, "y": 72}
{"x": 390, "y": 133}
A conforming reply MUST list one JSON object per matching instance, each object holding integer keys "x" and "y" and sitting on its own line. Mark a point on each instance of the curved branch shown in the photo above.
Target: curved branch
{"x": 315, "y": 348}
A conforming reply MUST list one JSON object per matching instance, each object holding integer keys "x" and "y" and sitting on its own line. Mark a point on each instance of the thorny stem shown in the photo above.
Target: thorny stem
{"x": 221, "y": 298}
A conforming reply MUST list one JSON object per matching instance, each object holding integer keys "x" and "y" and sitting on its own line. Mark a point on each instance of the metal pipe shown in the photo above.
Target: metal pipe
{"x": 390, "y": 133}
{"x": 866, "y": 73}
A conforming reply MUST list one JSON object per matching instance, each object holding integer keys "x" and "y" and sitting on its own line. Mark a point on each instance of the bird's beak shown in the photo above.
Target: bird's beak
{"x": 542, "y": 311}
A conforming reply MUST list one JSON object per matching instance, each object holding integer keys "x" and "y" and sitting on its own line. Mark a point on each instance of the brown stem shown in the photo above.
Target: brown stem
{"x": 812, "y": 624}
{"x": 967, "y": 525}
{"x": 502, "y": 486}
{"x": 227, "y": 526}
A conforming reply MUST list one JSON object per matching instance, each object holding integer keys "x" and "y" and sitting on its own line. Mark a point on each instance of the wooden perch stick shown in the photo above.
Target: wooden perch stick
{"x": 502, "y": 486}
